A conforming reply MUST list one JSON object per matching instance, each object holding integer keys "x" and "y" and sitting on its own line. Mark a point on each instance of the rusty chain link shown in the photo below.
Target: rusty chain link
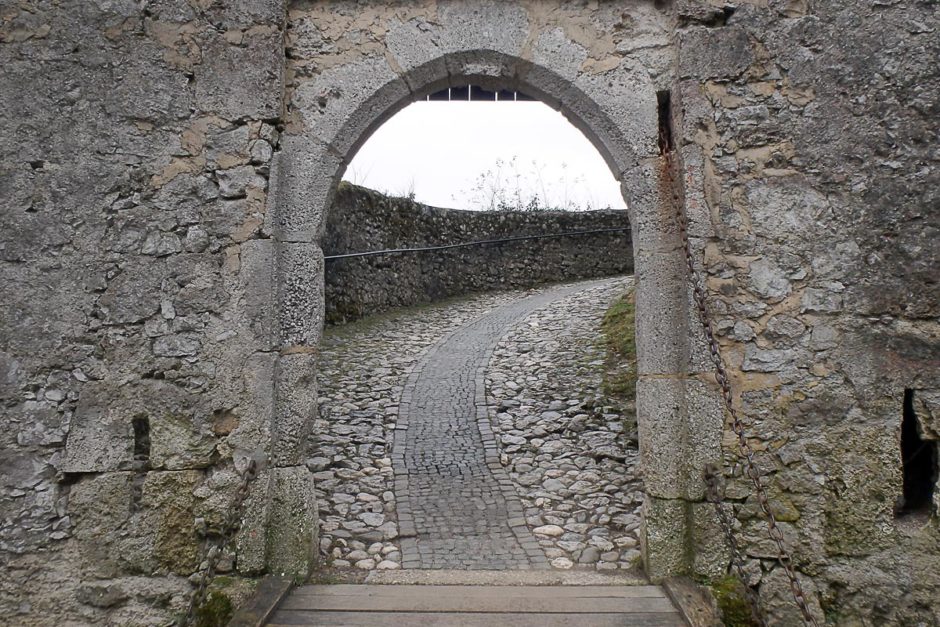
{"x": 713, "y": 495}
{"x": 744, "y": 446}
{"x": 215, "y": 547}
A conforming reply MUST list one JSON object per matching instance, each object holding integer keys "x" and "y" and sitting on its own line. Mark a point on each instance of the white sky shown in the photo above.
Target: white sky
{"x": 439, "y": 150}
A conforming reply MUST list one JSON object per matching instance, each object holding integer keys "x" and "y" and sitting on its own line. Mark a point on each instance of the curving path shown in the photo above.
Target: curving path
{"x": 458, "y": 510}
{"x": 457, "y": 507}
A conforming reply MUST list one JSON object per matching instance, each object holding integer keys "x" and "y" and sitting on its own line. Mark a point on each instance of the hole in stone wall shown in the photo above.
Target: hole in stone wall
{"x": 722, "y": 19}
{"x": 919, "y": 464}
{"x": 664, "y": 107}
{"x": 141, "y": 426}
{"x": 711, "y": 17}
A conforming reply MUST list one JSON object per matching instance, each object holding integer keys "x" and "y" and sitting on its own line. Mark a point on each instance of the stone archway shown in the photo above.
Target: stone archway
{"x": 340, "y": 102}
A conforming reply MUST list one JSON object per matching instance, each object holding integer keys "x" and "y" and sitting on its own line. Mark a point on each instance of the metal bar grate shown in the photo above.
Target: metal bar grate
{"x": 473, "y": 93}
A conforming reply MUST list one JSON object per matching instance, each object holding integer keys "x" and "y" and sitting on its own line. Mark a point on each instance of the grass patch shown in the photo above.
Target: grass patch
{"x": 619, "y": 329}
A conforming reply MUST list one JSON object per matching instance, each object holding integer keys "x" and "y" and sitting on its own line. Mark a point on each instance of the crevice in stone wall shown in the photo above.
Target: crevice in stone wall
{"x": 141, "y": 462}
{"x": 919, "y": 464}
{"x": 141, "y": 425}
{"x": 711, "y": 17}
{"x": 664, "y": 109}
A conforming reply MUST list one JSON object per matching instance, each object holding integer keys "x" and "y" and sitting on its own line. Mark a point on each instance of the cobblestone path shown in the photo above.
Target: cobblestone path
{"x": 364, "y": 369}
{"x": 457, "y": 507}
{"x": 473, "y": 434}
{"x": 569, "y": 446}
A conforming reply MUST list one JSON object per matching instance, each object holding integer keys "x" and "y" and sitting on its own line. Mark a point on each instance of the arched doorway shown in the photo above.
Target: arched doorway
{"x": 334, "y": 110}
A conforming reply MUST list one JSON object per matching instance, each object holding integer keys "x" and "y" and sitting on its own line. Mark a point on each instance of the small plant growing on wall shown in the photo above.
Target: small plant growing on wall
{"x": 510, "y": 186}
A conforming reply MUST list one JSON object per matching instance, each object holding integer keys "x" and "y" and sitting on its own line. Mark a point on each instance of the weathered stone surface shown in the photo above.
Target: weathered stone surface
{"x": 252, "y": 545}
{"x": 808, "y": 138}
{"x": 299, "y": 194}
{"x": 660, "y": 408}
{"x": 100, "y": 436}
{"x": 176, "y": 443}
{"x": 664, "y": 536}
{"x": 661, "y": 317}
{"x": 300, "y": 295}
{"x": 241, "y": 81}
{"x": 109, "y": 509}
{"x": 168, "y": 499}
{"x": 101, "y": 596}
{"x": 292, "y": 521}
{"x": 257, "y": 289}
{"x": 705, "y": 422}
{"x": 295, "y": 407}
{"x": 340, "y": 105}
{"x": 927, "y": 409}
{"x": 100, "y": 507}
{"x": 715, "y": 53}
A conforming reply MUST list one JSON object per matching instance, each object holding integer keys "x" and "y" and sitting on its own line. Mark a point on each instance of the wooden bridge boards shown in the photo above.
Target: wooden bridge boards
{"x": 477, "y": 606}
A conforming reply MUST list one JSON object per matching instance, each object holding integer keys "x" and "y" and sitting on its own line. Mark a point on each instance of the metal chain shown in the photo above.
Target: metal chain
{"x": 721, "y": 374}
{"x": 214, "y": 548}
{"x": 713, "y": 495}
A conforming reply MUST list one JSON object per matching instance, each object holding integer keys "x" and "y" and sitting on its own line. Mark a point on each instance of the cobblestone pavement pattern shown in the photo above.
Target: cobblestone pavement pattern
{"x": 362, "y": 373}
{"x": 442, "y": 499}
{"x": 561, "y": 440}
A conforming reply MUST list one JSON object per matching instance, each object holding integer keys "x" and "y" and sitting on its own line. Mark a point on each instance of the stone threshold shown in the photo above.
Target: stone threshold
{"x": 505, "y": 578}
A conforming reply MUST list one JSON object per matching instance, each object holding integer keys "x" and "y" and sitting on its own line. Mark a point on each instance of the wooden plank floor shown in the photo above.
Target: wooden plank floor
{"x": 477, "y": 606}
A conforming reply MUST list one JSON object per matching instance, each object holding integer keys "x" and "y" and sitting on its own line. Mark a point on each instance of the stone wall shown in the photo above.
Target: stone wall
{"x": 134, "y": 164}
{"x": 808, "y": 132}
{"x": 362, "y": 220}
{"x": 164, "y": 171}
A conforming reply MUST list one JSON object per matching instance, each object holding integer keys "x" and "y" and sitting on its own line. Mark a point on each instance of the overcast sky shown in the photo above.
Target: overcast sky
{"x": 439, "y": 150}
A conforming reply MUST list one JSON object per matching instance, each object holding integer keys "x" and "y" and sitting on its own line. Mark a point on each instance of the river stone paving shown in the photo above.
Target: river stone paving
{"x": 363, "y": 371}
{"x": 563, "y": 444}
{"x": 439, "y": 496}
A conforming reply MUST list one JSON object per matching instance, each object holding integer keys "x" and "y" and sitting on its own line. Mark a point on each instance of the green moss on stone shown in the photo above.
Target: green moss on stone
{"x": 732, "y": 601}
{"x": 619, "y": 329}
{"x": 216, "y": 611}
{"x": 618, "y": 326}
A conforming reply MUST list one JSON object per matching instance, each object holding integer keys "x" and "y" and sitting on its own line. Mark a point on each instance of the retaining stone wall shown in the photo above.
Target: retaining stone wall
{"x": 363, "y": 220}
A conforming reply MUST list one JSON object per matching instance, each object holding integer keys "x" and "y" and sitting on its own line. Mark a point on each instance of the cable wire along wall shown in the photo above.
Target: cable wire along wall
{"x": 519, "y": 238}
{"x": 386, "y": 252}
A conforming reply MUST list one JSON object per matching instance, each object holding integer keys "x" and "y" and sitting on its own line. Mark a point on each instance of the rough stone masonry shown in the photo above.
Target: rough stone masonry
{"x": 165, "y": 168}
{"x": 363, "y": 220}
